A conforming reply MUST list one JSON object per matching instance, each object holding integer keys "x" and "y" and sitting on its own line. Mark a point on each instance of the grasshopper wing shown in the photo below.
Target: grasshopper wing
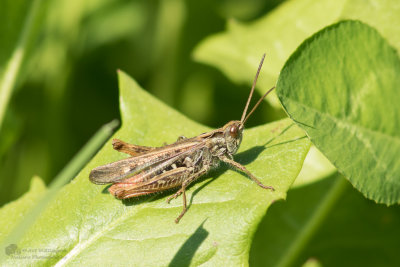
{"x": 119, "y": 170}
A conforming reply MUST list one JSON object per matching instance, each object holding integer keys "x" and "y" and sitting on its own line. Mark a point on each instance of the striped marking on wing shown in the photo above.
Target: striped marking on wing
{"x": 119, "y": 170}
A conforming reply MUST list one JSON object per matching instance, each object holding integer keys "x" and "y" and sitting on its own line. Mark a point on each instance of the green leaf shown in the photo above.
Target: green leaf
{"x": 355, "y": 231}
{"x": 341, "y": 87}
{"x": 382, "y": 15}
{"x": 14, "y": 212}
{"x": 237, "y": 51}
{"x": 85, "y": 225}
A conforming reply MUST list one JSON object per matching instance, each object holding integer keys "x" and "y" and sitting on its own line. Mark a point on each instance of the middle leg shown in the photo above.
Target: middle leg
{"x": 182, "y": 191}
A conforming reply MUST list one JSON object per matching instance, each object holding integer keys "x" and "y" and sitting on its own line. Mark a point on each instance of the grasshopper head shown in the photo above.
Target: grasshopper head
{"x": 233, "y": 135}
{"x": 233, "y": 130}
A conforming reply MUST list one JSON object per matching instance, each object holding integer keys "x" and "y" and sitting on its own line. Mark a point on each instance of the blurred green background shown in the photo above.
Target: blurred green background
{"x": 67, "y": 87}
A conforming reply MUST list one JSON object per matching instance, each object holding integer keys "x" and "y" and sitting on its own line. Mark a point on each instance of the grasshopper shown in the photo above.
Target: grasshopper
{"x": 155, "y": 169}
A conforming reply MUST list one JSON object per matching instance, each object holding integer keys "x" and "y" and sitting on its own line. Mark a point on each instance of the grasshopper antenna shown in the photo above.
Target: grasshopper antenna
{"x": 258, "y": 103}
{"x": 252, "y": 90}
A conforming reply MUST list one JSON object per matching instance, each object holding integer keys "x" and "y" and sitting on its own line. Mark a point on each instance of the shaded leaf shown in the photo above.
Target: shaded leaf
{"x": 341, "y": 86}
{"x": 88, "y": 226}
{"x": 356, "y": 232}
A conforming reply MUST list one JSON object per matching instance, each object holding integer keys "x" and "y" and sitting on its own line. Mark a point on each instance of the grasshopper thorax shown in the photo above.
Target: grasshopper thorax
{"x": 233, "y": 135}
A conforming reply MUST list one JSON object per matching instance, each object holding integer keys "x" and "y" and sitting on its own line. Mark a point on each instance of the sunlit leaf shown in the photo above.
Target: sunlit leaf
{"x": 13, "y": 213}
{"x": 86, "y": 225}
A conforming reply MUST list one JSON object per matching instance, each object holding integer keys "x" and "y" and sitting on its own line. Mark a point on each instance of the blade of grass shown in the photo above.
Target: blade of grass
{"x": 84, "y": 154}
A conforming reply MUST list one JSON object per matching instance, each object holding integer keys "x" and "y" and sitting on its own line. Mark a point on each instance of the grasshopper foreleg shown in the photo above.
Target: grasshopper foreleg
{"x": 246, "y": 171}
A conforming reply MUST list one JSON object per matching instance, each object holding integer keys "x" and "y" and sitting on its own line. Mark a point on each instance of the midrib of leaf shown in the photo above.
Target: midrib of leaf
{"x": 353, "y": 127}
{"x": 14, "y": 64}
{"x": 80, "y": 247}
{"x": 344, "y": 122}
{"x": 311, "y": 227}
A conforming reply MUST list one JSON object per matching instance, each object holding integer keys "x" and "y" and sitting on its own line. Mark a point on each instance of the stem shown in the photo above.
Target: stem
{"x": 314, "y": 223}
{"x": 13, "y": 66}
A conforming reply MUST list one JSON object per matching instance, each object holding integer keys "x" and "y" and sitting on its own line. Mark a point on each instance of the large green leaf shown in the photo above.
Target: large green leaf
{"x": 237, "y": 50}
{"x": 85, "y": 225}
{"x": 342, "y": 87}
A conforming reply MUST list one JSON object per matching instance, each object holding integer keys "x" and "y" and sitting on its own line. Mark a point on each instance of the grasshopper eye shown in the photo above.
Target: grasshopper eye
{"x": 233, "y": 131}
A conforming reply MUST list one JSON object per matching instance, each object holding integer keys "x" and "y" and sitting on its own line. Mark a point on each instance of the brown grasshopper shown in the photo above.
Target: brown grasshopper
{"x": 155, "y": 169}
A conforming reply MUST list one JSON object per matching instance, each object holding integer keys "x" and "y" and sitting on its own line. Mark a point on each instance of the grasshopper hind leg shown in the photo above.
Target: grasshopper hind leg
{"x": 243, "y": 169}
